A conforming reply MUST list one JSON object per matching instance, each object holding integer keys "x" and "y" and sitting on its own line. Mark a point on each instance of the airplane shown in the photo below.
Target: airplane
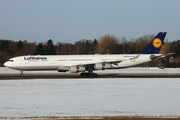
{"x": 86, "y": 64}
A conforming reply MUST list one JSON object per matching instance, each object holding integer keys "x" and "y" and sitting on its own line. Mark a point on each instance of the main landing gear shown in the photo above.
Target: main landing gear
{"x": 90, "y": 73}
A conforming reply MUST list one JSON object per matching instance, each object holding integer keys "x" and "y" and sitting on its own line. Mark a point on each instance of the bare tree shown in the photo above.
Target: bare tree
{"x": 108, "y": 44}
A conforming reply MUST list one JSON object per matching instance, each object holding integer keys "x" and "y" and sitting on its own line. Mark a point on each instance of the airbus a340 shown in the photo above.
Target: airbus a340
{"x": 86, "y": 64}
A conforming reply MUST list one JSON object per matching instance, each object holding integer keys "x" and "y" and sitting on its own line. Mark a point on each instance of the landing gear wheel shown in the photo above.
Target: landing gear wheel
{"x": 83, "y": 74}
{"x": 95, "y": 74}
{"x": 89, "y": 74}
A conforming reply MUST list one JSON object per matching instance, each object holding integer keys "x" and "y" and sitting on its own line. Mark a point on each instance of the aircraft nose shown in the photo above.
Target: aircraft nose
{"x": 6, "y": 64}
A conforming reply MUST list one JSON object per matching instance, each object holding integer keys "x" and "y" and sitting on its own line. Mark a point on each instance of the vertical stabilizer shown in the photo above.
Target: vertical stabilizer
{"x": 155, "y": 45}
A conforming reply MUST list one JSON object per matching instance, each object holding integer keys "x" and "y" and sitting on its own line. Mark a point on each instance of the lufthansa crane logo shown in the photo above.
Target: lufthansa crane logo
{"x": 157, "y": 43}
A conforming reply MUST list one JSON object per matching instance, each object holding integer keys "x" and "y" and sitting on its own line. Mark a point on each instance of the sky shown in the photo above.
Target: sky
{"x": 73, "y": 20}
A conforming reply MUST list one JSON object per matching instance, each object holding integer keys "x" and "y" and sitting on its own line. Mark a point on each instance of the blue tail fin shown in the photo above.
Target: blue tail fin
{"x": 155, "y": 45}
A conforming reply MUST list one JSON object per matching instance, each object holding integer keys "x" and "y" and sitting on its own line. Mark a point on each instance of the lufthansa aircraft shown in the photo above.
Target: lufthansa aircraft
{"x": 86, "y": 64}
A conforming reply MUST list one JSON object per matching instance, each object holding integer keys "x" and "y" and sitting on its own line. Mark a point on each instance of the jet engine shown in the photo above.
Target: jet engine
{"x": 76, "y": 69}
{"x": 101, "y": 66}
{"x": 63, "y": 69}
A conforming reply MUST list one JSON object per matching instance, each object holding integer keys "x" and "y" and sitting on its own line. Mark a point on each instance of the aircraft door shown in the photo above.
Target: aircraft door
{"x": 20, "y": 61}
{"x": 53, "y": 62}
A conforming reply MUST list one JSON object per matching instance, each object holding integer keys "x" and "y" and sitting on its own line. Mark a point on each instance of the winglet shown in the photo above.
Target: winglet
{"x": 155, "y": 45}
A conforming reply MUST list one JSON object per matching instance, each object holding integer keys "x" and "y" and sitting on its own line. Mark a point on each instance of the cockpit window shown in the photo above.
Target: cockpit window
{"x": 11, "y": 60}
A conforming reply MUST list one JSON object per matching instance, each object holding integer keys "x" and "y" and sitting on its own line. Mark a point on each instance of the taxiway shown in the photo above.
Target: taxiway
{"x": 76, "y": 75}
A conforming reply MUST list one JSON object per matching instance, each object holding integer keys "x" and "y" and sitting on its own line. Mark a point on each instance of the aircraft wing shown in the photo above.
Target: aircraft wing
{"x": 108, "y": 61}
{"x": 95, "y": 62}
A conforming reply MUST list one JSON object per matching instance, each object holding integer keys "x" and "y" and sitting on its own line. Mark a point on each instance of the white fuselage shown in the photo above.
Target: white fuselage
{"x": 64, "y": 62}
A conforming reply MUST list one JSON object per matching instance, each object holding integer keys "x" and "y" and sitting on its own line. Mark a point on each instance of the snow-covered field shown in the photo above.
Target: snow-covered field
{"x": 91, "y": 97}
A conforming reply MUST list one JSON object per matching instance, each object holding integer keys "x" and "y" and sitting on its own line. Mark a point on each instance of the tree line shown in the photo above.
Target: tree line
{"x": 107, "y": 44}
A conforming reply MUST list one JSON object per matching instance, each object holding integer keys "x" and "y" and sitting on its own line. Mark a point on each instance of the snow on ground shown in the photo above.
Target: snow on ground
{"x": 91, "y": 97}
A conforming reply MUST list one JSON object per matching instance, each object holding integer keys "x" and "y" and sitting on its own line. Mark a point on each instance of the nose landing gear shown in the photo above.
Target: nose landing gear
{"x": 21, "y": 73}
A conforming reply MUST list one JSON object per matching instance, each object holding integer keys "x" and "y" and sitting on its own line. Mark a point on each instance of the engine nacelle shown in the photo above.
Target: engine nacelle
{"x": 101, "y": 66}
{"x": 63, "y": 69}
{"x": 76, "y": 69}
